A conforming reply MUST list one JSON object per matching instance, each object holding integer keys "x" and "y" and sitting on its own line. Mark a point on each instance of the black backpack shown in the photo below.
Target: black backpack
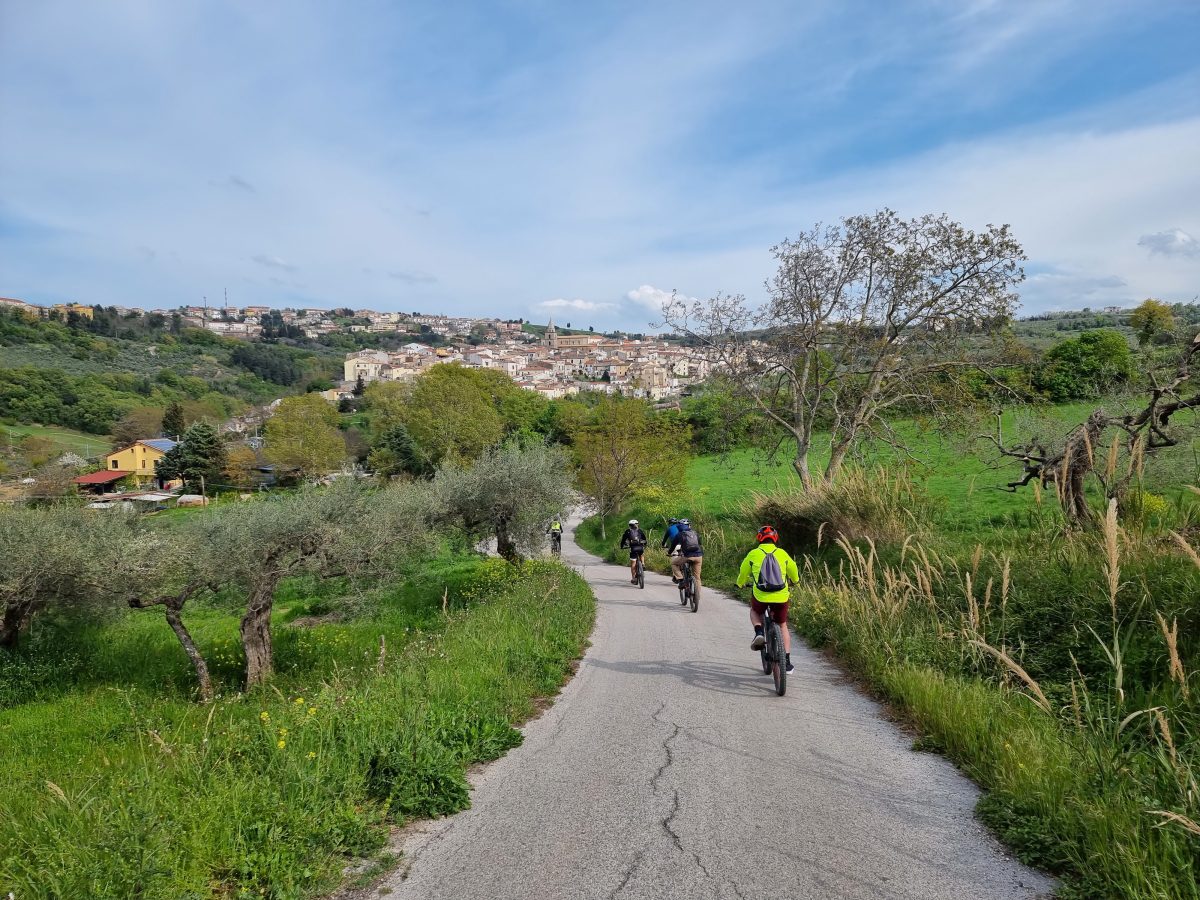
{"x": 689, "y": 542}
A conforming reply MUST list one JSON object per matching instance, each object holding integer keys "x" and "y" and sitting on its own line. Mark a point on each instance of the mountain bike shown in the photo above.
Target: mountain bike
{"x": 641, "y": 572}
{"x": 556, "y": 543}
{"x": 774, "y": 662}
{"x": 689, "y": 592}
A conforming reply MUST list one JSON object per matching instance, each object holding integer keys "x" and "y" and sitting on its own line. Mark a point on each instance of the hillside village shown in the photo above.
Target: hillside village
{"x": 556, "y": 365}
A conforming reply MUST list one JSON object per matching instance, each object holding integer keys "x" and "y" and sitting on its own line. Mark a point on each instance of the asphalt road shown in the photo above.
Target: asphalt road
{"x": 668, "y": 768}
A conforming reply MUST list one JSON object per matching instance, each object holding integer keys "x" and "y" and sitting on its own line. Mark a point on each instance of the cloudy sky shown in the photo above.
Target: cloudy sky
{"x": 529, "y": 158}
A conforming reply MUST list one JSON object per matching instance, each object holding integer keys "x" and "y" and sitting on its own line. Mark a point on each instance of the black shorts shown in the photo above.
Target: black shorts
{"x": 635, "y": 552}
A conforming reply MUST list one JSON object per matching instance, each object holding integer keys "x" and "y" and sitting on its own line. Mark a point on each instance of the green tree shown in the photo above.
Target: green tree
{"x": 1152, "y": 317}
{"x": 303, "y": 435}
{"x": 1085, "y": 367}
{"x": 199, "y": 458}
{"x": 396, "y": 453}
{"x": 453, "y": 413}
{"x": 509, "y": 494}
{"x": 627, "y": 449}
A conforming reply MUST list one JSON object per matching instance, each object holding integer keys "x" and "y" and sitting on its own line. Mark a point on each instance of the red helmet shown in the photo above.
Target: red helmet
{"x": 767, "y": 533}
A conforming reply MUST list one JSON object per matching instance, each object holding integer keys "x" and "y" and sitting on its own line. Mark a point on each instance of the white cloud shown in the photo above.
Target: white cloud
{"x": 1173, "y": 242}
{"x": 654, "y": 299}
{"x": 273, "y": 262}
{"x": 585, "y": 305}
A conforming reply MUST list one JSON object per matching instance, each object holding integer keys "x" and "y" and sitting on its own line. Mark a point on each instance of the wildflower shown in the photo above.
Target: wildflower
{"x": 299, "y": 701}
{"x": 312, "y": 710}
{"x": 281, "y": 743}
{"x": 312, "y": 755}
{"x": 265, "y": 716}
{"x": 283, "y": 732}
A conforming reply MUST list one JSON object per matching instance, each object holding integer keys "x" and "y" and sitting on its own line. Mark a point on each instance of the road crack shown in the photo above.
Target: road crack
{"x": 668, "y": 822}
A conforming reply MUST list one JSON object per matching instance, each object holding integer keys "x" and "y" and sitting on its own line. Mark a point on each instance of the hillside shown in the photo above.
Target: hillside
{"x": 86, "y": 374}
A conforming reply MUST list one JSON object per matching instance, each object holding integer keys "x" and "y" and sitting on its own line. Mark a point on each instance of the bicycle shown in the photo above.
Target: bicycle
{"x": 641, "y": 573}
{"x": 774, "y": 662}
{"x": 555, "y": 544}
{"x": 688, "y": 591}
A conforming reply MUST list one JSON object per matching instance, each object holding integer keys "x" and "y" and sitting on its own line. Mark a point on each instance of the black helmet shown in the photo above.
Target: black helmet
{"x": 672, "y": 521}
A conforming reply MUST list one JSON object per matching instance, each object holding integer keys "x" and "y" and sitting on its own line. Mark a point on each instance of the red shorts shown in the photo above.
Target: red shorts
{"x": 778, "y": 610}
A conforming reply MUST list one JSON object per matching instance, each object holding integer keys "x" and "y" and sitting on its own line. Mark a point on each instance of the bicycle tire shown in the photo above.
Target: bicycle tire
{"x": 694, "y": 597}
{"x": 778, "y": 661}
{"x": 767, "y": 650}
{"x": 641, "y": 575}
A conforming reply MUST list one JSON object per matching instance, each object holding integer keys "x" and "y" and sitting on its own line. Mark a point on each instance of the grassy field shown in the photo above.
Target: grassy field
{"x": 960, "y": 472}
{"x": 86, "y": 445}
{"x": 1056, "y": 668}
{"x": 118, "y": 785}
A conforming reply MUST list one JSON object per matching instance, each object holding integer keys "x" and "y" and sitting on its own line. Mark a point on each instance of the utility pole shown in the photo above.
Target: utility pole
{"x": 203, "y": 492}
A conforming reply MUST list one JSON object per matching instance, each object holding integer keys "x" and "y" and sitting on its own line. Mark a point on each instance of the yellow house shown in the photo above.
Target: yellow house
{"x": 139, "y": 458}
{"x": 66, "y": 308}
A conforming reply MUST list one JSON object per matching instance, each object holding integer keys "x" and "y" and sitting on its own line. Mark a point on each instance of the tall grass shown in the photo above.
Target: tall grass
{"x": 124, "y": 791}
{"x": 1057, "y": 669}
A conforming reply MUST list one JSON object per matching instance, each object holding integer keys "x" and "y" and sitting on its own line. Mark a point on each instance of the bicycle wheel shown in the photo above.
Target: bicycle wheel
{"x": 778, "y": 661}
{"x": 694, "y": 596}
{"x": 641, "y": 575}
{"x": 765, "y": 652}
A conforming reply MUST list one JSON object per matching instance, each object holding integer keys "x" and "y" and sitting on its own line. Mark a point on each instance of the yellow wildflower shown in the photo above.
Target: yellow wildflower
{"x": 312, "y": 710}
{"x": 312, "y": 755}
{"x": 299, "y": 701}
{"x": 265, "y": 716}
{"x": 281, "y": 744}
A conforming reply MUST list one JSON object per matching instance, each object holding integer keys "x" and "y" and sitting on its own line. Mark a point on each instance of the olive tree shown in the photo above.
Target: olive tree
{"x": 53, "y": 556}
{"x": 862, "y": 318}
{"x": 509, "y": 494}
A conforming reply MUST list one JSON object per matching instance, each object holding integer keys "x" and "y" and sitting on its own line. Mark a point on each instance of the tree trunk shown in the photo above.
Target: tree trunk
{"x": 175, "y": 620}
{"x": 16, "y": 617}
{"x": 256, "y": 635}
{"x": 836, "y": 457}
{"x": 504, "y": 544}
{"x": 800, "y": 464}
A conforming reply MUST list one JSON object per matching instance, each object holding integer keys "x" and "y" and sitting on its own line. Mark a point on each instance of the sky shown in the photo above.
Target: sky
{"x": 529, "y": 159}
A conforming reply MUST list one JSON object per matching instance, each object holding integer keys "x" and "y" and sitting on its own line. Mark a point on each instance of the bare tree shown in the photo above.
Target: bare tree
{"x": 873, "y": 315}
{"x": 1143, "y": 432}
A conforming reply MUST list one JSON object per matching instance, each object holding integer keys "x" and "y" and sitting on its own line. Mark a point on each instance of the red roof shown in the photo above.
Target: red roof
{"x": 104, "y": 476}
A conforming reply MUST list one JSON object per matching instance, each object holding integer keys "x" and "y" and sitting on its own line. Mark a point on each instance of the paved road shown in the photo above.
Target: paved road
{"x": 669, "y": 769}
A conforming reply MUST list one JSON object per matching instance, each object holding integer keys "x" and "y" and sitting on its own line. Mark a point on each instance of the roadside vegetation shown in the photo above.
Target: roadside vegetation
{"x": 1000, "y": 539}
{"x": 332, "y": 660}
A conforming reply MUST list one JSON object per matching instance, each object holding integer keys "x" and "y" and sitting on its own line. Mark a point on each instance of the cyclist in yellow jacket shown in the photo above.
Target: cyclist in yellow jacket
{"x": 770, "y": 569}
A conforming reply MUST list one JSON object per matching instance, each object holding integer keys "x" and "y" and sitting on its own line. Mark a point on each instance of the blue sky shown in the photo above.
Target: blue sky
{"x": 527, "y": 159}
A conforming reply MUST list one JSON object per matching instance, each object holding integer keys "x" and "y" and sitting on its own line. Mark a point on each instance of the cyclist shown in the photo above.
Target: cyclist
{"x": 635, "y": 539}
{"x": 555, "y": 531}
{"x": 685, "y": 549}
{"x": 770, "y": 569}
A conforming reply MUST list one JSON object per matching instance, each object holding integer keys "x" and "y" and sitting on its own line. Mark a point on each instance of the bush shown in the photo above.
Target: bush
{"x": 883, "y": 507}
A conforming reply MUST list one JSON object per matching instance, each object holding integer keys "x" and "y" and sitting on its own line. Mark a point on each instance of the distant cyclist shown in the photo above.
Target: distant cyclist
{"x": 555, "y": 531}
{"x": 672, "y": 531}
{"x": 770, "y": 570}
{"x": 685, "y": 549}
{"x": 635, "y": 539}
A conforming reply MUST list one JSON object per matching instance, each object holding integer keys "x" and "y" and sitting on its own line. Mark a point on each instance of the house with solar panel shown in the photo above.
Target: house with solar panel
{"x": 138, "y": 461}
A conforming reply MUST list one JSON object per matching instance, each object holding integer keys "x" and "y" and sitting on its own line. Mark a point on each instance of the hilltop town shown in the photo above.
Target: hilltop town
{"x": 551, "y": 361}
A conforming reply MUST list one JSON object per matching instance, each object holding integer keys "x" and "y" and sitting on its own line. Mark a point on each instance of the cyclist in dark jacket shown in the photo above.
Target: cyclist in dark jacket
{"x": 635, "y": 539}
{"x": 685, "y": 549}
